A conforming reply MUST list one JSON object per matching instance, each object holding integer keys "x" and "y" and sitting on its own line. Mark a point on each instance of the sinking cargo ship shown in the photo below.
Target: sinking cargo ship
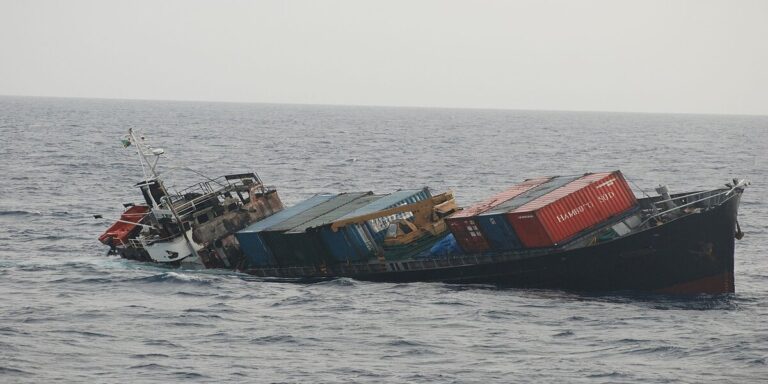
{"x": 584, "y": 232}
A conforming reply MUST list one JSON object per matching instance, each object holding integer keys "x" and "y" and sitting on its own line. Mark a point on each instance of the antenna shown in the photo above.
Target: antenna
{"x": 144, "y": 150}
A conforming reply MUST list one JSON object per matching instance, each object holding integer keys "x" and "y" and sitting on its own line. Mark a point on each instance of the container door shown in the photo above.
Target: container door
{"x": 498, "y": 232}
{"x": 530, "y": 230}
{"x": 468, "y": 235}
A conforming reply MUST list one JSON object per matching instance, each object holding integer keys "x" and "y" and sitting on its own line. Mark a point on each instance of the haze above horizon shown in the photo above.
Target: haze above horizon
{"x": 651, "y": 56}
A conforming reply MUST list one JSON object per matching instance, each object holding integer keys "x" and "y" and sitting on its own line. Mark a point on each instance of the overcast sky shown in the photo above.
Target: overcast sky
{"x": 652, "y": 56}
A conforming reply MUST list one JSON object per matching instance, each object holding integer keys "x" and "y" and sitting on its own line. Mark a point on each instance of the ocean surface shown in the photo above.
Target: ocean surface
{"x": 70, "y": 313}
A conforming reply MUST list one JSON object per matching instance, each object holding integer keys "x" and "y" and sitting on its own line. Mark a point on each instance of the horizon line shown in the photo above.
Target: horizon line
{"x": 386, "y": 106}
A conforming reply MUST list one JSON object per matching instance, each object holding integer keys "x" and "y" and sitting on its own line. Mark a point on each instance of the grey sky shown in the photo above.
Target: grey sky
{"x": 658, "y": 56}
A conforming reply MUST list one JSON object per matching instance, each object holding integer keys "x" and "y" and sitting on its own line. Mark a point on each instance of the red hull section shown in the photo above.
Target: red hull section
{"x": 121, "y": 230}
{"x": 572, "y": 208}
{"x": 721, "y": 283}
{"x": 465, "y": 228}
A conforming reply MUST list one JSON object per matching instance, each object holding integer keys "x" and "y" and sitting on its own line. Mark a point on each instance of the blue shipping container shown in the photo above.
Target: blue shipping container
{"x": 301, "y": 244}
{"x": 347, "y": 244}
{"x": 356, "y": 242}
{"x": 498, "y": 232}
{"x": 252, "y": 241}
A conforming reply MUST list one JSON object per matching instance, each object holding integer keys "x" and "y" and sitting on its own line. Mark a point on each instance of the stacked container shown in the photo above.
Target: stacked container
{"x": 494, "y": 225}
{"x": 301, "y": 235}
{"x": 357, "y": 242}
{"x": 543, "y": 212}
{"x": 464, "y": 225}
{"x": 252, "y": 239}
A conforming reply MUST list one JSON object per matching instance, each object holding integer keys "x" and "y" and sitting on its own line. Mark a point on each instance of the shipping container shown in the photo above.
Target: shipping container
{"x": 356, "y": 242}
{"x": 468, "y": 235}
{"x": 378, "y": 227}
{"x": 487, "y": 227}
{"x": 289, "y": 240}
{"x": 252, "y": 241}
{"x": 556, "y": 217}
{"x": 498, "y": 232}
{"x": 312, "y": 232}
{"x": 350, "y": 243}
{"x": 499, "y": 198}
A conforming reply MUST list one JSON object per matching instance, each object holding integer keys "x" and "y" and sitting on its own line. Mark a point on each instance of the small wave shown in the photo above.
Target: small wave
{"x": 13, "y": 371}
{"x": 20, "y": 213}
{"x": 758, "y": 361}
{"x": 193, "y": 294}
{"x": 161, "y": 343}
{"x": 663, "y": 349}
{"x": 202, "y": 315}
{"x": 456, "y": 303}
{"x": 148, "y": 355}
{"x": 564, "y": 334}
{"x": 404, "y": 343}
{"x": 189, "y": 375}
{"x": 150, "y": 366}
{"x": 633, "y": 341}
{"x": 80, "y": 280}
{"x": 9, "y": 331}
{"x": 293, "y": 300}
{"x": 341, "y": 282}
{"x": 175, "y": 277}
{"x": 188, "y": 324}
{"x": 606, "y": 375}
{"x": 275, "y": 339}
{"x": 84, "y": 333}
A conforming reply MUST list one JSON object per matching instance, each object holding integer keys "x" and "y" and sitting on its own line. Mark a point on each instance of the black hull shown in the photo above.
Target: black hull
{"x": 692, "y": 254}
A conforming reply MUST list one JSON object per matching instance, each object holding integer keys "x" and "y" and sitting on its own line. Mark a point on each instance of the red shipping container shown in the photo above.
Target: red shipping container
{"x": 468, "y": 235}
{"x": 572, "y": 208}
{"x": 464, "y": 227}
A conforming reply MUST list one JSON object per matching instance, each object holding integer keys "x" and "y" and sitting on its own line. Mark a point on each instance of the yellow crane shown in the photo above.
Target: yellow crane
{"x": 427, "y": 219}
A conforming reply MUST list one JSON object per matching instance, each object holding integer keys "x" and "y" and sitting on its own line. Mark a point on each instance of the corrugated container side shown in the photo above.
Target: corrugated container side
{"x": 296, "y": 241}
{"x": 581, "y": 204}
{"x": 471, "y": 240}
{"x": 377, "y": 227}
{"x": 361, "y": 238}
{"x": 254, "y": 249}
{"x": 531, "y": 195}
{"x": 287, "y": 213}
{"x": 335, "y": 213}
{"x": 499, "y": 198}
{"x": 298, "y": 222}
{"x": 498, "y": 232}
{"x": 296, "y": 249}
{"x": 308, "y": 248}
{"x": 529, "y": 230}
{"x": 468, "y": 235}
{"x": 252, "y": 241}
{"x": 346, "y": 244}
{"x": 353, "y": 242}
{"x": 595, "y": 203}
{"x": 623, "y": 200}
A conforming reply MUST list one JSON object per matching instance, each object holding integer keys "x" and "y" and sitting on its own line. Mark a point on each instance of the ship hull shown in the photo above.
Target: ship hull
{"x": 690, "y": 255}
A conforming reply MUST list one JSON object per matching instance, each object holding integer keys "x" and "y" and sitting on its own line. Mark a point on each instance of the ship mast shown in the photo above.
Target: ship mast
{"x": 149, "y": 169}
